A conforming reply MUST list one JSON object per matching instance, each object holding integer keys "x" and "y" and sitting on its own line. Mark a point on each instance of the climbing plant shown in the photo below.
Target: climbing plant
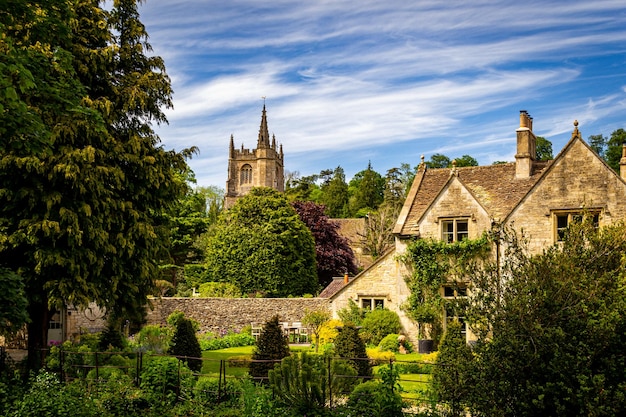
{"x": 433, "y": 263}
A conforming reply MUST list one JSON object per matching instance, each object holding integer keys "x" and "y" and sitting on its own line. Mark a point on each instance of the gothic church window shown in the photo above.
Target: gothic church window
{"x": 245, "y": 176}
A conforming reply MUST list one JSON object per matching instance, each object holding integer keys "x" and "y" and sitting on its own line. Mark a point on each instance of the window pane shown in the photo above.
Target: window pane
{"x": 448, "y": 292}
{"x": 448, "y": 231}
{"x": 461, "y": 230}
{"x": 379, "y": 303}
{"x": 366, "y": 303}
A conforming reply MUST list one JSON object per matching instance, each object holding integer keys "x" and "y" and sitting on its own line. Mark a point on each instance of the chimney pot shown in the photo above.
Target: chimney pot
{"x": 346, "y": 278}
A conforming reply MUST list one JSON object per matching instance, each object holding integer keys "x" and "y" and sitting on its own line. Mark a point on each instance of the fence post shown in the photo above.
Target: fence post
{"x": 138, "y": 361}
{"x": 96, "y": 358}
{"x": 391, "y": 373}
{"x": 219, "y": 381}
{"x": 62, "y": 363}
{"x": 330, "y": 385}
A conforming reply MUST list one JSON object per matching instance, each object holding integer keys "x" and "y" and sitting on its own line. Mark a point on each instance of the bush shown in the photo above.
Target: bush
{"x": 241, "y": 361}
{"x": 271, "y": 346}
{"x": 378, "y": 357}
{"x": 328, "y": 332}
{"x": 185, "y": 344}
{"x": 111, "y": 337}
{"x": 208, "y": 341}
{"x": 219, "y": 289}
{"x": 350, "y": 346}
{"x": 209, "y": 392}
{"x": 161, "y": 379}
{"x": 379, "y": 323}
{"x": 153, "y": 338}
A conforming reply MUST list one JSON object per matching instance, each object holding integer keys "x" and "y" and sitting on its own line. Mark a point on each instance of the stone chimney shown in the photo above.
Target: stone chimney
{"x": 526, "y": 146}
{"x": 622, "y": 163}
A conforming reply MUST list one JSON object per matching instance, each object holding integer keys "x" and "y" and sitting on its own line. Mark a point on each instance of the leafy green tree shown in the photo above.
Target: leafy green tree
{"x": 395, "y": 189}
{"x": 438, "y": 160}
{"x": 598, "y": 144}
{"x": 334, "y": 192}
{"x": 451, "y": 380}
{"x": 13, "y": 303}
{"x": 262, "y": 246}
{"x": 185, "y": 344}
{"x": 79, "y": 203}
{"x": 333, "y": 254}
{"x": 350, "y": 347}
{"x": 466, "y": 161}
{"x": 379, "y": 323}
{"x": 613, "y": 152}
{"x": 556, "y": 328}
{"x": 366, "y": 191}
{"x": 314, "y": 320}
{"x": 299, "y": 188}
{"x": 544, "y": 149}
{"x": 271, "y": 347}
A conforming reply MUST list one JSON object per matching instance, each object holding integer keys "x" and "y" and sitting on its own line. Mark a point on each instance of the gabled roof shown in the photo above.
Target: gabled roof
{"x": 494, "y": 187}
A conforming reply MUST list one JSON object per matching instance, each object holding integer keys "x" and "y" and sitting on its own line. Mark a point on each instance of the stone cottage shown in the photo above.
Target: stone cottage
{"x": 451, "y": 204}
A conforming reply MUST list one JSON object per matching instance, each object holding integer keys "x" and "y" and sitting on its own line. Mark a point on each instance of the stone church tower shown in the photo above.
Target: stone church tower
{"x": 260, "y": 167}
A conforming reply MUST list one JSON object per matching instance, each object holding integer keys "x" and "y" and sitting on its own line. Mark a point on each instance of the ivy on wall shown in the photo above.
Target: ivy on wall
{"x": 433, "y": 263}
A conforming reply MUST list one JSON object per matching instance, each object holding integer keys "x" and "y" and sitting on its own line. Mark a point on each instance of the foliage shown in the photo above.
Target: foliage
{"x": 366, "y": 191}
{"x": 219, "y": 289}
{"x": 352, "y": 313}
{"x": 299, "y": 188}
{"x": 258, "y": 401}
{"x": 378, "y": 236}
{"x": 438, "y": 160}
{"x": 163, "y": 377}
{"x": 262, "y": 246}
{"x": 433, "y": 263}
{"x": 334, "y": 193}
{"x": 177, "y": 315}
{"x": 613, "y": 152}
{"x": 391, "y": 342}
{"x": 314, "y": 320}
{"x": 379, "y": 356}
{"x": 350, "y": 346}
{"x": 153, "y": 338}
{"x": 185, "y": 344}
{"x": 378, "y": 323}
{"x": 451, "y": 379}
{"x": 209, "y": 342}
{"x": 13, "y": 303}
{"x": 209, "y": 392}
{"x": 328, "y": 332}
{"x": 544, "y": 149}
{"x": 333, "y": 254}
{"x": 374, "y": 398}
{"x": 557, "y": 326}
{"x": 271, "y": 347}
{"x": 111, "y": 337}
{"x": 82, "y": 179}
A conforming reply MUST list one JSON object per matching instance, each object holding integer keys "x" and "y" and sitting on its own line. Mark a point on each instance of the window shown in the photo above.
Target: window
{"x": 454, "y": 230}
{"x": 245, "y": 176}
{"x": 454, "y": 307}
{"x": 372, "y": 303}
{"x": 563, "y": 219}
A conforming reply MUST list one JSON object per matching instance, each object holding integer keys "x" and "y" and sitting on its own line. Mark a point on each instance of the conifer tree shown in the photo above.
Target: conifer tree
{"x": 271, "y": 347}
{"x": 350, "y": 346}
{"x": 185, "y": 343}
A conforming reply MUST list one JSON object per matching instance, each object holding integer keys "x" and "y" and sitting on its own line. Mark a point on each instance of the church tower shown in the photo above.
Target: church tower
{"x": 260, "y": 167}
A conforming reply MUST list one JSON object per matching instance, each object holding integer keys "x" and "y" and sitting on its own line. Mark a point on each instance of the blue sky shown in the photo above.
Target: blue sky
{"x": 347, "y": 82}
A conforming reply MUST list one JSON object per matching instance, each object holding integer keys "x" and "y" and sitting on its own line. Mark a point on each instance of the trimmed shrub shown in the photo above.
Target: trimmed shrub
{"x": 271, "y": 346}
{"x": 379, "y": 323}
{"x": 378, "y": 357}
{"x": 185, "y": 344}
{"x": 161, "y": 379}
{"x": 350, "y": 346}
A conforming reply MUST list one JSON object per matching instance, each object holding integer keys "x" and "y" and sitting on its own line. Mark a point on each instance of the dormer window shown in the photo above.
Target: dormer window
{"x": 454, "y": 230}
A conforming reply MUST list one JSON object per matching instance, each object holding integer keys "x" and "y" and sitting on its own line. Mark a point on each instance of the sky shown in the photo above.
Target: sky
{"x": 351, "y": 82}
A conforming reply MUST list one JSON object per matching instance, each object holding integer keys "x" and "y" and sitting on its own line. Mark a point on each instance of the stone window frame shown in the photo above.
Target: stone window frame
{"x": 562, "y": 218}
{"x": 374, "y": 301}
{"x": 245, "y": 174}
{"x": 455, "y": 234}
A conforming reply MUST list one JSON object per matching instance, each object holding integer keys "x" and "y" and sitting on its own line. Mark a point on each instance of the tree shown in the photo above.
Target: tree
{"x": 544, "y": 149}
{"x": 378, "y": 235}
{"x": 13, "y": 303}
{"x": 556, "y": 327}
{"x": 79, "y": 203}
{"x": 333, "y": 254}
{"x": 262, "y": 246}
{"x": 438, "y": 160}
{"x": 614, "y": 145}
{"x": 350, "y": 346}
{"x": 598, "y": 144}
{"x": 466, "y": 161}
{"x": 366, "y": 191}
{"x": 395, "y": 189}
{"x": 451, "y": 379}
{"x": 334, "y": 192}
{"x": 314, "y": 320}
{"x": 185, "y": 344}
{"x": 271, "y": 347}
{"x": 299, "y": 188}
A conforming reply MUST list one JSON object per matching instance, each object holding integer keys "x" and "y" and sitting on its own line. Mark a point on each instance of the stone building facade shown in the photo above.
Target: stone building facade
{"x": 451, "y": 204}
{"x": 260, "y": 167}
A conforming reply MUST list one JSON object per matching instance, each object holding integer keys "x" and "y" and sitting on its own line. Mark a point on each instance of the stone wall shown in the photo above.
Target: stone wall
{"x": 222, "y": 314}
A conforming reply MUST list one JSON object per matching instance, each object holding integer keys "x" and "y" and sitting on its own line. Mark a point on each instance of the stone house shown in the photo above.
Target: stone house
{"x": 456, "y": 203}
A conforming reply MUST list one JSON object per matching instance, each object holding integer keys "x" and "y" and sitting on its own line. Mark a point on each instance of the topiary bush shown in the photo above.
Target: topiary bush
{"x": 185, "y": 344}
{"x": 350, "y": 346}
{"x": 379, "y": 323}
{"x": 270, "y": 348}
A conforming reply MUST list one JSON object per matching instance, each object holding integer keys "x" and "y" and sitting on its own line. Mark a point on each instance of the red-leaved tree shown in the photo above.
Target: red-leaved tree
{"x": 333, "y": 253}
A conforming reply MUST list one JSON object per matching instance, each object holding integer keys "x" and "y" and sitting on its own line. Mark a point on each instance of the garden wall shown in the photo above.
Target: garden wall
{"x": 223, "y": 314}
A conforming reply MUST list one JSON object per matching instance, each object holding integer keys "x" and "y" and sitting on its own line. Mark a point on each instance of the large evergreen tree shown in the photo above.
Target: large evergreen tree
{"x": 334, "y": 193}
{"x": 82, "y": 176}
{"x": 366, "y": 191}
{"x": 262, "y": 246}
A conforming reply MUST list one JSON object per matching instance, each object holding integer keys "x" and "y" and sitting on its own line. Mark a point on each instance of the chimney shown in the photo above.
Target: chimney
{"x": 346, "y": 278}
{"x": 526, "y": 146}
{"x": 622, "y": 163}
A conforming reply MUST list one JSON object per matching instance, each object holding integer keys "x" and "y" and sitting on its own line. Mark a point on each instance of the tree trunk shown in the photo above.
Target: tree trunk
{"x": 37, "y": 332}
